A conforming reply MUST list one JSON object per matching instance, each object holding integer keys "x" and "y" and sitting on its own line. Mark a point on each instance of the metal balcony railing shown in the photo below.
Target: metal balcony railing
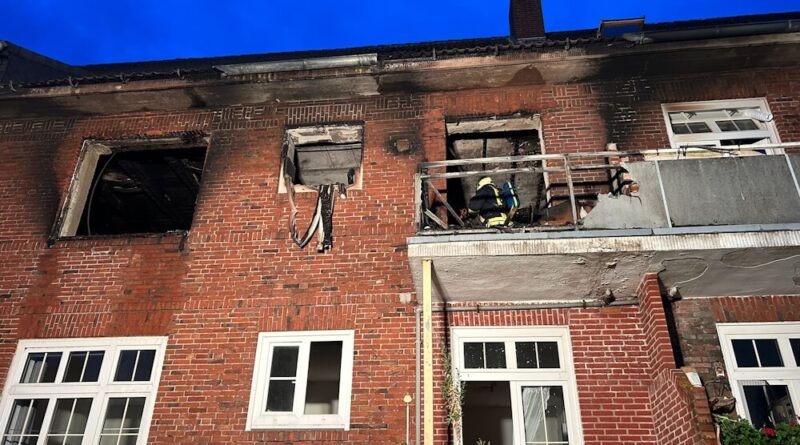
{"x": 579, "y": 184}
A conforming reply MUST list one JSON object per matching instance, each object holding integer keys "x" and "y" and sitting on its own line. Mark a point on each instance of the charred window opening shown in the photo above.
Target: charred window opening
{"x": 499, "y": 137}
{"x": 140, "y": 187}
{"x": 323, "y": 155}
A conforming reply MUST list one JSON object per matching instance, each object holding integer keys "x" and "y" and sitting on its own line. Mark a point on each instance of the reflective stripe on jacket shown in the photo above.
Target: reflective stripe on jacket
{"x": 490, "y": 206}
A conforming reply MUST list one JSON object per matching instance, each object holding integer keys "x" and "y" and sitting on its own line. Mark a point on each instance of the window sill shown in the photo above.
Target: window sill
{"x": 281, "y": 422}
{"x": 176, "y": 238}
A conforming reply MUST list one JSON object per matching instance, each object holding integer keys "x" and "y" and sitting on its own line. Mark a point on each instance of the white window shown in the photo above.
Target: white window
{"x": 763, "y": 365}
{"x": 720, "y": 123}
{"x": 519, "y": 385}
{"x": 81, "y": 391}
{"x": 302, "y": 380}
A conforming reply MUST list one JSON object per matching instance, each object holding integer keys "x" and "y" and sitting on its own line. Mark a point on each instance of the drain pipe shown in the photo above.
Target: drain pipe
{"x": 418, "y": 385}
{"x": 427, "y": 349}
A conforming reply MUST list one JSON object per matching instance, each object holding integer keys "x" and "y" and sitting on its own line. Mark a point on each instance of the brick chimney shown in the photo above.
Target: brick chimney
{"x": 525, "y": 18}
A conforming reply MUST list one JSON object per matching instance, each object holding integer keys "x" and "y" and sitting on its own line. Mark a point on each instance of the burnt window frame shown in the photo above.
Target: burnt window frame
{"x": 71, "y": 211}
{"x": 293, "y": 138}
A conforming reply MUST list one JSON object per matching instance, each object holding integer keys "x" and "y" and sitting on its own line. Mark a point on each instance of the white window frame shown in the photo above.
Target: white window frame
{"x": 519, "y": 378}
{"x": 713, "y": 139}
{"x": 259, "y": 419}
{"x": 100, "y": 392}
{"x": 788, "y": 374}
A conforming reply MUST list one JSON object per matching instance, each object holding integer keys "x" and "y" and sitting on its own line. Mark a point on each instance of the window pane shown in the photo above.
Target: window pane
{"x": 680, "y": 129}
{"x": 324, "y": 370}
{"x": 25, "y": 421}
{"x": 473, "y": 355}
{"x": 280, "y": 396}
{"x": 79, "y": 416}
{"x": 746, "y": 124}
{"x": 133, "y": 417}
{"x": 145, "y": 366}
{"x": 114, "y": 414}
{"x": 284, "y": 361}
{"x": 69, "y": 421}
{"x": 75, "y": 366}
{"x": 32, "y": 368}
{"x": 699, "y": 127}
{"x": 123, "y": 419}
{"x": 61, "y": 416}
{"x": 745, "y": 353}
{"x": 41, "y": 367}
{"x": 526, "y": 354}
{"x": 127, "y": 361}
{"x": 495, "y": 355}
{"x": 545, "y": 416}
{"x": 768, "y": 352}
{"x": 487, "y": 413}
{"x": 93, "y": 364}
{"x": 548, "y": 354}
{"x": 795, "y": 342}
{"x": 726, "y": 126}
{"x": 768, "y": 405}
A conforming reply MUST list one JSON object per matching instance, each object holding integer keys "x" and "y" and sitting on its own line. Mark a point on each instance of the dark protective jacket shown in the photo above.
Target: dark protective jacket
{"x": 489, "y": 205}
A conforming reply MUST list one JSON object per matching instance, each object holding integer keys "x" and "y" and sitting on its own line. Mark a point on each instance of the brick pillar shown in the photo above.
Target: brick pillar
{"x": 681, "y": 413}
{"x": 525, "y": 19}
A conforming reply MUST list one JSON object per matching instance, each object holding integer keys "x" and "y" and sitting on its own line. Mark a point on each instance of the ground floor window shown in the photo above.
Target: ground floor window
{"x": 81, "y": 391}
{"x": 763, "y": 365}
{"x": 519, "y": 386}
{"x": 302, "y": 380}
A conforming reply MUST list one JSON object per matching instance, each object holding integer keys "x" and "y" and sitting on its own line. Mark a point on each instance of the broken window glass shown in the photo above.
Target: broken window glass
{"x": 142, "y": 191}
{"x": 768, "y": 405}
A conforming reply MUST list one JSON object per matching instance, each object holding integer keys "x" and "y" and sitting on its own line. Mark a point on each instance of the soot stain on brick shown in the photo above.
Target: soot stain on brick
{"x": 526, "y": 76}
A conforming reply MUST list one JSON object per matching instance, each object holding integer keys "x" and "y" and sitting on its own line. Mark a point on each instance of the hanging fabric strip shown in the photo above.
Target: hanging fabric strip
{"x": 327, "y": 196}
{"x": 315, "y": 219}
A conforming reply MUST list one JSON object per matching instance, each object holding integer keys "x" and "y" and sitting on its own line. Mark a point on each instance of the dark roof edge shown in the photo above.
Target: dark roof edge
{"x": 7, "y": 47}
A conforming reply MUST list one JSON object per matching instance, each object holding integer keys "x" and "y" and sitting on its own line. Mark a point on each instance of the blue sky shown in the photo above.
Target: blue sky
{"x": 83, "y": 32}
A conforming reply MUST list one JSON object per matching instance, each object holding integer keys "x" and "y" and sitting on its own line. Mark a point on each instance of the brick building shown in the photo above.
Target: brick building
{"x": 151, "y": 290}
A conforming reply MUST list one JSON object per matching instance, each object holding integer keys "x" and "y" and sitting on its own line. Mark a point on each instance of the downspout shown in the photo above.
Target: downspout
{"x": 427, "y": 351}
{"x": 418, "y": 395}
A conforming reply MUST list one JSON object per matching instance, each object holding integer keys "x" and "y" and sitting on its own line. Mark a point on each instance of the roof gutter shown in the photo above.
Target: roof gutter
{"x": 299, "y": 65}
{"x": 720, "y": 31}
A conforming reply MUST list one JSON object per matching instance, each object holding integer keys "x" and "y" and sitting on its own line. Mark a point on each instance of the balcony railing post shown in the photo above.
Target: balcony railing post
{"x": 794, "y": 175}
{"x": 663, "y": 194}
{"x": 571, "y": 187}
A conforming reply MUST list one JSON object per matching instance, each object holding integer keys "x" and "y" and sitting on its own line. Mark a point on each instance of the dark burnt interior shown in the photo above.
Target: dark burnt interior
{"x": 143, "y": 191}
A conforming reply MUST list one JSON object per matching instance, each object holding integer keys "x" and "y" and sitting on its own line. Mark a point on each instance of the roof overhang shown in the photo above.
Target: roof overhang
{"x": 553, "y": 66}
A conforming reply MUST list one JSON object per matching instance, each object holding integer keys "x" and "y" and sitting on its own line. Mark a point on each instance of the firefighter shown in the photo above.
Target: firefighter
{"x": 488, "y": 204}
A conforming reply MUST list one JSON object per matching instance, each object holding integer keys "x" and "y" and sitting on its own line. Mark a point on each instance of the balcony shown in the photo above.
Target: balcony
{"x": 591, "y": 224}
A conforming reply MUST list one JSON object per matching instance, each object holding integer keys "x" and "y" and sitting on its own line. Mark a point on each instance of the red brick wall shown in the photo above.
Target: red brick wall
{"x": 681, "y": 414}
{"x": 696, "y": 321}
{"x": 238, "y": 273}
